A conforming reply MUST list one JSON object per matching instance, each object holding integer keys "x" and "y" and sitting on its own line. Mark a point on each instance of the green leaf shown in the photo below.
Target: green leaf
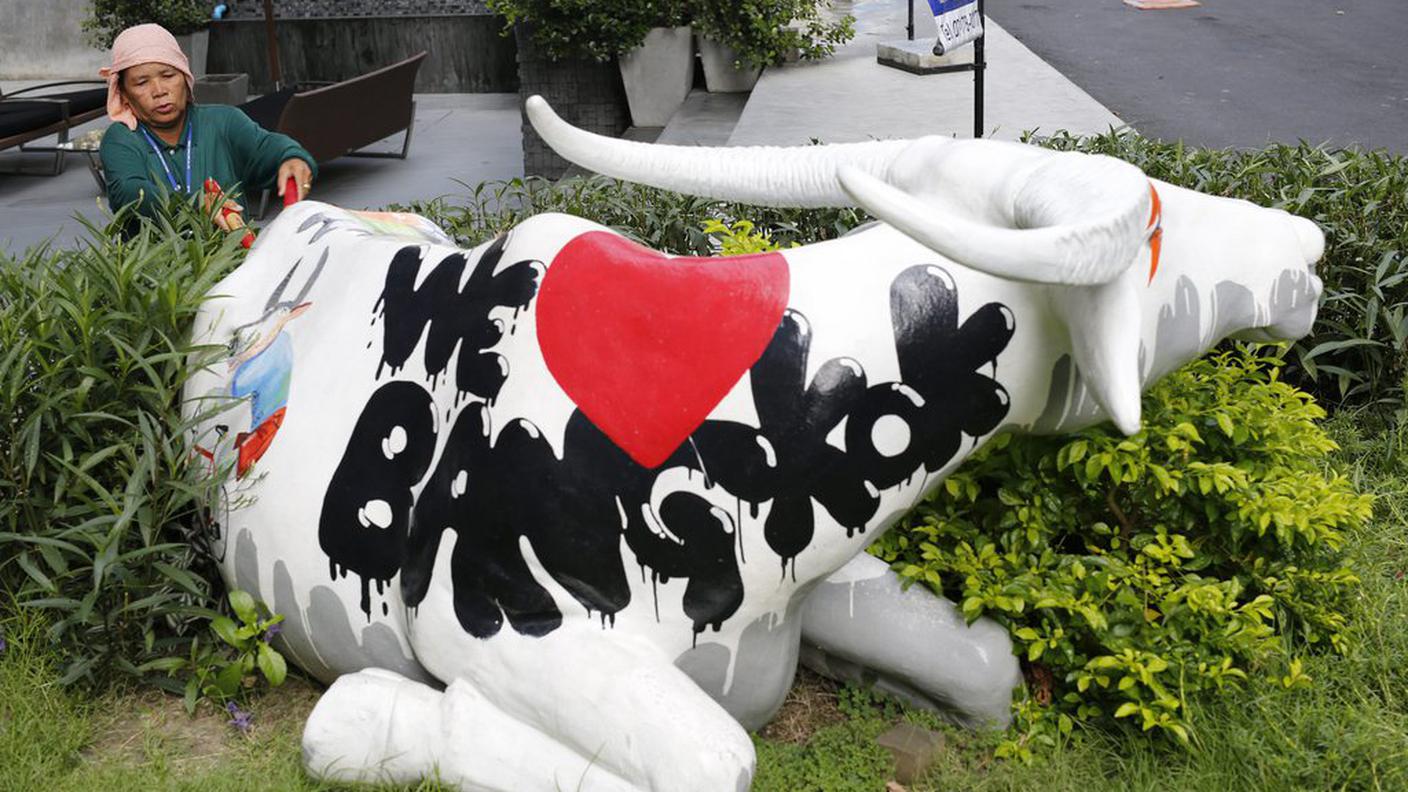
{"x": 243, "y": 605}
{"x": 229, "y": 679}
{"x": 225, "y": 628}
{"x": 272, "y": 665}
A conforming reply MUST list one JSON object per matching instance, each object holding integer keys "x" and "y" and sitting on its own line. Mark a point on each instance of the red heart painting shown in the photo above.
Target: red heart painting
{"x": 647, "y": 345}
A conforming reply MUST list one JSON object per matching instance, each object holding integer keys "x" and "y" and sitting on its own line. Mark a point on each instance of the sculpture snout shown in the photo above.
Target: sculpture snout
{"x": 1312, "y": 240}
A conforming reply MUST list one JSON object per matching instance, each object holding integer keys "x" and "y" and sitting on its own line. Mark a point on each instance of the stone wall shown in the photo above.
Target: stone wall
{"x": 43, "y": 40}
{"x": 468, "y": 54}
{"x": 321, "y": 9}
{"x": 587, "y": 94}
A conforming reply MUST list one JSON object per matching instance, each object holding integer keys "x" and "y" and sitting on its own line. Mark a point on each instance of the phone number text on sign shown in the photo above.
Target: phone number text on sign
{"x": 959, "y": 23}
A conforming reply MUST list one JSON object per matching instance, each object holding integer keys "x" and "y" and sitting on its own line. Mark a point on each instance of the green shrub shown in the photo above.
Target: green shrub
{"x": 99, "y": 493}
{"x": 591, "y": 29}
{"x": 765, "y": 32}
{"x": 664, "y": 220}
{"x": 1135, "y": 573}
{"x": 107, "y": 18}
{"x": 1358, "y": 349}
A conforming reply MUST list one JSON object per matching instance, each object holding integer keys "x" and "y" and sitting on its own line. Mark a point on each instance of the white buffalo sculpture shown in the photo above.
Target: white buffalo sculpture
{"x": 558, "y": 511}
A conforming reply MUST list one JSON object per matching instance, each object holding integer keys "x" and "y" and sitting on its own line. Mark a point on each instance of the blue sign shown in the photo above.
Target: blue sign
{"x": 959, "y": 23}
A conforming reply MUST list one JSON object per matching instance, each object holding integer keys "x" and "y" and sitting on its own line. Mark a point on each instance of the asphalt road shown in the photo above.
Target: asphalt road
{"x": 1233, "y": 72}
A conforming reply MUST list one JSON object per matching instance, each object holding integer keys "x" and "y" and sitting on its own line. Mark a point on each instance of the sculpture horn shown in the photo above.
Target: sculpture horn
{"x": 1077, "y": 223}
{"x": 803, "y": 176}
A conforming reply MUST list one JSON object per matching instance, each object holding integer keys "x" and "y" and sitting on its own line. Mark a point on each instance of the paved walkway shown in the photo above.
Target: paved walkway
{"x": 464, "y": 139}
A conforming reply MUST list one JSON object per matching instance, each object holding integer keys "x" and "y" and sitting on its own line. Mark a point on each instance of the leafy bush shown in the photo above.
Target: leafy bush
{"x": 107, "y": 18}
{"x": 590, "y": 29}
{"x": 740, "y": 238}
{"x": 1358, "y": 350}
{"x": 1135, "y": 573}
{"x": 663, "y": 220}
{"x": 212, "y": 674}
{"x": 99, "y": 494}
{"x": 765, "y": 32}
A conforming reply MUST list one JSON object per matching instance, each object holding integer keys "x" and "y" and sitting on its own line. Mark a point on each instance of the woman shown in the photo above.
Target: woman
{"x": 163, "y": 142}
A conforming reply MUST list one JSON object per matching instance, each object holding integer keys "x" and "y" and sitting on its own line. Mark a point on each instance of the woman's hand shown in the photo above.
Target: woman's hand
{"x": 227, "y": 217}
{"x": 300, "y": 172}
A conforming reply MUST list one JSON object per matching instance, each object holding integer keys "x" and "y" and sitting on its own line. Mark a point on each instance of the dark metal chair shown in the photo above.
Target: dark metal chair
{"x": 28, "y": 115}
{"x": 336, "y": 119}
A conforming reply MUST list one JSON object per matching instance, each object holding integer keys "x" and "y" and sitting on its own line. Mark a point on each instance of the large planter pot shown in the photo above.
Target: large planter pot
{"x": 719, "y": 74}
{"x": 658, "y": 75}
{"x": 195, "y": 45}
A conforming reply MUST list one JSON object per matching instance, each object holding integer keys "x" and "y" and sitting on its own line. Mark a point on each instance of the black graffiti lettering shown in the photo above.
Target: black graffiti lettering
{"x": 509, "y": 498}
{"x": 787, "y": 459}
{"x": 367, "y": 507}
{"x": 941, "y": 396}
{"x": 456, "y": 316}
{"x": 495, "y": 496}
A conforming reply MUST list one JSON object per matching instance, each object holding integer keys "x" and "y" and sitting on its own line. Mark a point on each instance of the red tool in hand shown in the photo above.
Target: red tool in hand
{"x": 290, "y": 191}
{"x": 231, "y": 215}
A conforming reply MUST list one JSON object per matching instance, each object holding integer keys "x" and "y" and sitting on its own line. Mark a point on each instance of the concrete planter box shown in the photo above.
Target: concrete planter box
{"x": 658, "y": 75}
{"x": 196, "y": 46}
{"x": 719, "y": 74}
{"x": 226, "y": 89}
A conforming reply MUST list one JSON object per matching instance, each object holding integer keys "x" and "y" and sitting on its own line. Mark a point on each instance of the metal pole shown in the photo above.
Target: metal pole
{"x": 910, "y": 28}
{"x": 979, "y": 65}
{"x": 272, "y": 36}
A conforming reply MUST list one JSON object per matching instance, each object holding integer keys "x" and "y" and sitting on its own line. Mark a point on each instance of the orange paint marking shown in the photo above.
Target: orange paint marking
{"x": 1156, "y": 232}
{"x": 1160, "y": 5}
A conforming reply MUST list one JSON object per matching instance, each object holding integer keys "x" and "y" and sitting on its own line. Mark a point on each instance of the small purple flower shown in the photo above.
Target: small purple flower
{"x": 3, "y": 645}
{"x": 239, "y": 718}
{"x": 273, "y": 630}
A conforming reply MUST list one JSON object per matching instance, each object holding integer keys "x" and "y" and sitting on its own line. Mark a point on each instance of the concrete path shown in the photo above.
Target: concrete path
{"x": 459, "y": 139}
{"x": 1233, "y": 72}
{"x": 850, "y": 97}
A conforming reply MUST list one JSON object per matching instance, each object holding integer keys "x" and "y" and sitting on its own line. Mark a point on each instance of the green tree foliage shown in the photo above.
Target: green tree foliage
{"x": 765, "y": 32}
{"x": 588, "y": 29}
{"x": 1203, "y": 553}
{"x": 107, "y": 18}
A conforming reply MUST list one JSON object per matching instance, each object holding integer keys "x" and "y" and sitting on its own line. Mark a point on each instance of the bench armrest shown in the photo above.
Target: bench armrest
{"x": 63, "y": 103}
{"x": 52, "y": 85}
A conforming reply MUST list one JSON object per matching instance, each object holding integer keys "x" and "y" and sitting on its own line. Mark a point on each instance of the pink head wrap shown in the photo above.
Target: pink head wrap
{"x": 134, "y": 46}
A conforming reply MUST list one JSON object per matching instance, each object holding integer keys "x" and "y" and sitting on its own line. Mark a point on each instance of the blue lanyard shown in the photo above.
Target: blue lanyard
{"x": 171, "y": 177}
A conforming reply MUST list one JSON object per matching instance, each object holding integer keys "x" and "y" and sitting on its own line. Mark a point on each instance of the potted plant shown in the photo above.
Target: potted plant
{"x": 188, "y": 21}
{"x": 737, "y": 38}
{"x": 647, "y": 37}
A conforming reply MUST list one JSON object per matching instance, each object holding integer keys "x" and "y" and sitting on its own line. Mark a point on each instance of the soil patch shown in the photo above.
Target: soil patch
{"x": 811, "y": 704}
{"x": 149, "y": 725}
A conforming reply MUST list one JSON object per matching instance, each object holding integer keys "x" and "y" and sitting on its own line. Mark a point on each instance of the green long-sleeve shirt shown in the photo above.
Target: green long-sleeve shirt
{"x": 226, "y": 146}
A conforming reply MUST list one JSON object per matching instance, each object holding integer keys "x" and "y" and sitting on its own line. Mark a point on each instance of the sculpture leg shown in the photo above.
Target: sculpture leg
{"x": 376, "y": 726}
{"x": 586, "y": 711}
{"x": 860, "y": 625}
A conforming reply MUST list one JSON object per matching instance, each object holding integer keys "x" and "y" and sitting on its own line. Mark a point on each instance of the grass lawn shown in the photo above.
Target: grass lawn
{"x": 1348, "y": 730}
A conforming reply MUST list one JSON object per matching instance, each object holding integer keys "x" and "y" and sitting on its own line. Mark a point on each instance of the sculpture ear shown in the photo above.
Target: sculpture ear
{"x": 1104, "y": 323}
